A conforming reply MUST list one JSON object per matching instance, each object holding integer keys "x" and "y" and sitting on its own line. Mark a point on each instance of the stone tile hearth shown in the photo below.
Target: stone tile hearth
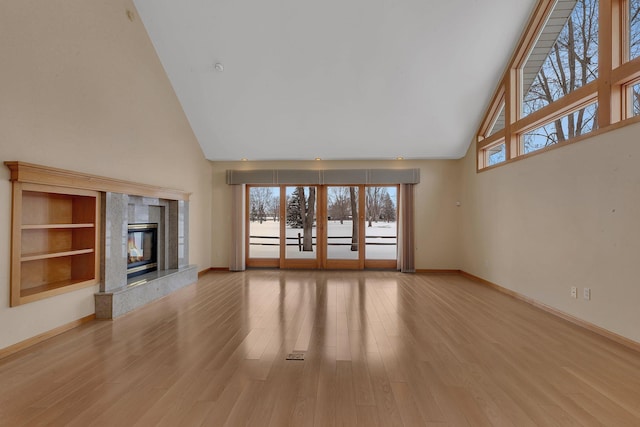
{"x": 119, "y": 295}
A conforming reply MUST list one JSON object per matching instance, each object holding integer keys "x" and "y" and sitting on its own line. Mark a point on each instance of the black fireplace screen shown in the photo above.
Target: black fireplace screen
{"x": 142, "y": 251}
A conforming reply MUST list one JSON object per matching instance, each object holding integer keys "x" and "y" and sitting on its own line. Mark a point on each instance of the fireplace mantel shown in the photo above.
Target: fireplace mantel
{"x": 38, "y": 174}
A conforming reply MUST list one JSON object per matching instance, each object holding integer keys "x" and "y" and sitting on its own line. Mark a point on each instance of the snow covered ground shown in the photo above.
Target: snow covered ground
{"x": 381, "y": 242}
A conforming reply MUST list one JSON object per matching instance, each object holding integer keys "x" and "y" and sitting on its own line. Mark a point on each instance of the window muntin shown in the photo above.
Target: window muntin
{"x": 571, "y": 61}
{"x": 574, "y": 124}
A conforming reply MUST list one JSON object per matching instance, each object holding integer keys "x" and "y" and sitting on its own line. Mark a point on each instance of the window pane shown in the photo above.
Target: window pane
{"x": 575, "y": 124}
{"x": 635, "y": 93}
{"x": 301, "y": 223}
{"x": 634, "y": 29}
{"x": 264, "y": 222}
{"x": 496, "y": 155}
{"x": 381, "y": 230}
{"x": 499, "y": 124}
{"x": 342, "y": 223}
{"x": 565, "y": 56}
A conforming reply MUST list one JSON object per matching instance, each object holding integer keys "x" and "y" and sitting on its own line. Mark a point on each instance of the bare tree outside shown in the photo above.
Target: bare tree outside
{"x": 263, "y": 203}
{"x": 301, "y": 213}
{"x": 373, "y": 202}
{"x": 634, "y": 48}
{"x": 339, "y": 207}
{"x": 264, "y": 218}
{"x": 343, "y": 205}
{"x": 354, "y": 218}
{"x": 634, "y": 29}
{"x": 572, "y": 63}
{"x": 381, "y": 231}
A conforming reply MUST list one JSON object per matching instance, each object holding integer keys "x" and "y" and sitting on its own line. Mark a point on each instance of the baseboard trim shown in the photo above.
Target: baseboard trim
{"x": 211, "y": 270}
{"x": 436, "y": 271}
{"x": 8, "y": 351}
{"x": 629, "y": 343}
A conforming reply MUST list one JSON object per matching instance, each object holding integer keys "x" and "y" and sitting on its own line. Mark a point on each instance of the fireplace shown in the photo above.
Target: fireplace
{"x": 142, "y": 249}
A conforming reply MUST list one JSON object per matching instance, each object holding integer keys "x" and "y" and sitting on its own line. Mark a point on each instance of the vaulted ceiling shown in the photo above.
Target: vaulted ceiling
{"x": 334, "y": 79}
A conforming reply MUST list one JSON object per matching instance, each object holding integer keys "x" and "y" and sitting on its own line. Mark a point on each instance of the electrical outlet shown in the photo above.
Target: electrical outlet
{"x": 574, "y": 292}
{"x": 586, "y": 294}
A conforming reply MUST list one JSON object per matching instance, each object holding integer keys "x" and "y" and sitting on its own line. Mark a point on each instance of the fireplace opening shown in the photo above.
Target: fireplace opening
{"x": 142, "y": 249}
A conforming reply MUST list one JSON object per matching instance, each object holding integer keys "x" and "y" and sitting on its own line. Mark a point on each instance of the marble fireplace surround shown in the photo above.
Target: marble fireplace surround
{"x": 119, "y": 295}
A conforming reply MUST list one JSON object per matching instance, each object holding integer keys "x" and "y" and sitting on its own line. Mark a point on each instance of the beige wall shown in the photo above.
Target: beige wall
{"x": 569, "y": 217}
{"x": 81, "y": 87}
{"x": 436, "y": 196}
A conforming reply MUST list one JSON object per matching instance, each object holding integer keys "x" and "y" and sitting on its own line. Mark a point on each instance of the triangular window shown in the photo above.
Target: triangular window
{"x": 565, "y": 56}
{"x": 498, "y": 125}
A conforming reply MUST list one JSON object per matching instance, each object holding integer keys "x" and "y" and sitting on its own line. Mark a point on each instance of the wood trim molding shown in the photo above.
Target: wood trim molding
{"x": 436, "y": 271}
{"x": 631, "y": 344}
{"x": 493, "y": 112}
{"x": 626, "y": 72}
{"x": 565, "y": 143}
{"x": 573, "y": 101}
{"x": 38, "y": 174}
{"x": 12, "y": 349}
{"x": 494, "y": 139}
{"x": 212, "y": 270}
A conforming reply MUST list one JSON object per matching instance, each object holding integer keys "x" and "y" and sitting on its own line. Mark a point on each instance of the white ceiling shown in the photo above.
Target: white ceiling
{"x": 335, "y": 79}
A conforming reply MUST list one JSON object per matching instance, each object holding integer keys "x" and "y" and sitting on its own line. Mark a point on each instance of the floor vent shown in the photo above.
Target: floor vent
{"x": 295, "y": 356}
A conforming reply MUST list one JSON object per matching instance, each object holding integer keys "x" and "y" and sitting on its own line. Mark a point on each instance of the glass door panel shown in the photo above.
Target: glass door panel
{"x": 332, "y": 227}
{"x": 263, "y": 209}
{"x": 381, "y": 228}
{"x": 343, "y": 225}
{"x": 300, "y": 225}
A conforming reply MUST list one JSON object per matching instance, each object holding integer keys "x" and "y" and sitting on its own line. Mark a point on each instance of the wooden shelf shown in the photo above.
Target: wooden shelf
{"x": 53, "y": 226}
{"x": 45, "y": 255}
{"x": 52, "y": 288}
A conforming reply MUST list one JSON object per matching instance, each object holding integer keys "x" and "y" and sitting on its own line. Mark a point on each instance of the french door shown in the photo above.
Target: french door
{"x": 322, "y": 226}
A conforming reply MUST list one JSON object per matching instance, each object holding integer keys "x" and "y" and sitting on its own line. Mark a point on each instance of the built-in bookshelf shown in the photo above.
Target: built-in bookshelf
{"x": 55, "y": 241}
{"x": 57, "y": 221}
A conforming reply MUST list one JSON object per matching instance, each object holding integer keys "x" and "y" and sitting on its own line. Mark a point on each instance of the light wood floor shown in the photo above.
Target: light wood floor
{"x": 381, "y": 349}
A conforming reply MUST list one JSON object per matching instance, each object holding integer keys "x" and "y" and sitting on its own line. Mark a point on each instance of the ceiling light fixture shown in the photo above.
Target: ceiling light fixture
{"x": 219, "y": 67}
{"x": 400, "y": 158}
{"x": 318, "y": 158}
{"x": 244, "y": 159}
